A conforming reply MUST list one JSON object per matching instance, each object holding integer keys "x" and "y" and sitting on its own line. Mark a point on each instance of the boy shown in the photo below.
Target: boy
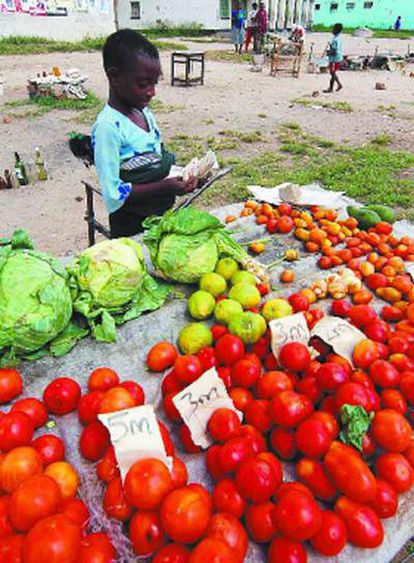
{"x": 335, "y": 57}
{"x": 251, "y": 28}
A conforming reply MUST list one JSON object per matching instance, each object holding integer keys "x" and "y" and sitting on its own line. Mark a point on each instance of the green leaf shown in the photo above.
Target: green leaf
{"x": 106, "y": 330}
{"x": 356, "y": 422}
{"x": 21, "y": 239}
{"x": 67, "y": 339}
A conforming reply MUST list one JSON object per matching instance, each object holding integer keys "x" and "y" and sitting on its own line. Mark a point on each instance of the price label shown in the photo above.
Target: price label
{"x": 293, "y": 328}
{"x": 135, "y": 435}
{"x": 197, "y": 402}
{"x": 410, "y": 269}
{"x": 340, "y": 334}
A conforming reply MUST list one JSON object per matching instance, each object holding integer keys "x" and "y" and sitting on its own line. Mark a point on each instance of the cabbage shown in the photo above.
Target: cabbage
{"x": 111, "y": 285}
{"x": 186, "y": 244}
{"x": 35, "y": 300}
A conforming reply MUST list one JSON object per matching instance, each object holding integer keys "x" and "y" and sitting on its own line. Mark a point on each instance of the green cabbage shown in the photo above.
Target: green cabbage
{"x": 111, "y": 285}
{"x": 186, "y": 244}
{"x": 35, "y": 300}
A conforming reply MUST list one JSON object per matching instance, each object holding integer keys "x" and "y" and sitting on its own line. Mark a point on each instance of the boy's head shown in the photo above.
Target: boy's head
{"x": 337, "y": 28}
{"x": 132, "y": 65}
{"x": 254, "y": 5}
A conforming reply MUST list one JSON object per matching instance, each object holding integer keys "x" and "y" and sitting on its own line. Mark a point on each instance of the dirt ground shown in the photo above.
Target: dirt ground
{"x": 232, "y": 98}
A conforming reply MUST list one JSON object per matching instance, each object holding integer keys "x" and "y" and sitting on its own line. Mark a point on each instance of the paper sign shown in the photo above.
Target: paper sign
{"x": 293, "y": 328}
{"x": 135, "y": 435}
{"x": 197, "y": 402}
{"x": 340, "y": 334}
{"x": 409, "y": 268}
{"x": 312, "y": 194}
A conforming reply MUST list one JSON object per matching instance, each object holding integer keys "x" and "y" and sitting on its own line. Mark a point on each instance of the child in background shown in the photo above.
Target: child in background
{"x": 251, "y": 28}
{"x": 335, "y": 58}
{"x": 237, "y": 27}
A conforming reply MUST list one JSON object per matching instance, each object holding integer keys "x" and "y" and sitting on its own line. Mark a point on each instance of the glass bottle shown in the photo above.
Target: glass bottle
{"x": 20, "y": 170}
{"x": 40, "y": 166}
{"x": 11, "y": 179}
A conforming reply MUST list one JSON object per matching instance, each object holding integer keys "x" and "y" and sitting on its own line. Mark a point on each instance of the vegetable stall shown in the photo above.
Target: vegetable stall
{"x": 307, "y": 451}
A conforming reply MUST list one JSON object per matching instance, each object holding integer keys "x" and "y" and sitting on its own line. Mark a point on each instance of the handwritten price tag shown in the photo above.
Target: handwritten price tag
{"x": 340, "y": 334}
{"x": 197, "y": 402}
{"x": 135, "y": 435}
{"x": 288, "y": 329}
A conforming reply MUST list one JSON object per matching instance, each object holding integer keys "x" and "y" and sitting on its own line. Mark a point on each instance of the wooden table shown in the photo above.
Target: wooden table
{"x": 191, "y": 60}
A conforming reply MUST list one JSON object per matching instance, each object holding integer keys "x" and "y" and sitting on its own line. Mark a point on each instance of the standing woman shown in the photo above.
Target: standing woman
{"x": 238, "y": 17}
{"x": 335, "y": 58}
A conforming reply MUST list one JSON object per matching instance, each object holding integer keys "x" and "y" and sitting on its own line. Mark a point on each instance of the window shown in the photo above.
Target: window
{"x": 333, "y": 7}
{"x": 350, "y": 5}
{"x": 317, "y": 7}
{"x": 368, "y": 5}
{"x": 135, "y": 11}
{"x": 224, "y": 9}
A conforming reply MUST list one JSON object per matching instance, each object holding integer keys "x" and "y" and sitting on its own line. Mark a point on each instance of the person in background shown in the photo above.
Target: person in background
{"x": 126, "y": 128}
{"x": 261, "y": 19}
{"x": 335, "y": 57}
{"x": 297, "y": 34}
{"x": 251, "y": 28}
{"x": 397, "y": 24}
{"x": 238, "y": 17}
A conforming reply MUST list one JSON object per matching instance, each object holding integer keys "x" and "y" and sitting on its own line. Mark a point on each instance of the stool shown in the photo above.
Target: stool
{"x": 93, "y": 224}
{"x": 189, "y": 59}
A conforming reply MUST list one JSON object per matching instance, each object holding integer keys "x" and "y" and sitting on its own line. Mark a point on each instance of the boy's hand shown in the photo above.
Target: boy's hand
{"x": 178, "y": 187}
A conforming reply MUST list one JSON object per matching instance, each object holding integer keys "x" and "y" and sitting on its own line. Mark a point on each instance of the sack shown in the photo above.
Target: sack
{"x": 147, "y": 167}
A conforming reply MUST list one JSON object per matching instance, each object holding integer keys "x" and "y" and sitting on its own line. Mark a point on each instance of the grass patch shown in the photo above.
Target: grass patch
{"x": 166, "y": 29}
{"x": 378, "y": 33}
{"x": 343, "y": 107}
{"x": 382, "y": 140}
{"x": 186, "y": 147}
{"x": 228, "y": 56}
{"x": 262, "y": 115}
{"x": 292, "y": 125}
{"x": 208, "y": 121}
{"x": 157, "y": 106}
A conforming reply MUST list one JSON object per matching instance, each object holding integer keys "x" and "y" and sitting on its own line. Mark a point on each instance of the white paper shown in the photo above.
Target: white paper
{"x": 312, "y": 194}
{"x": 197, "y": 402}
{"x": 409, "y": 267}
{"x": 135, "y": 435}
{"x": 293, "y": 328}
{"x": 340, "y": 334}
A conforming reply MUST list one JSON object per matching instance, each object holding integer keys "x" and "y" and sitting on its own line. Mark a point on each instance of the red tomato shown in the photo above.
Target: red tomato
{"x": 62, "y": 395}
{"x": 170, "y": 409}
{"x": 384, "y": 374}
{"x": 114, "y": 502}
{"x": 11, "y": 385}
{"x": 331, "y": 376}
{"x": 223, "y": 425}
{"x": 218, "y": 331}
{"x": 299, "y": 302}
{"x": 292, "y": 486}
{"x": 227, "y": 528}
{"x": 273, "y": 382}
{"x": 386, "y": 501}
{"x": 213, "y": 463}
{"x": 146, "y": 533}
{"x": 329, "y": 421}
{"x": 16, "y": 429}
{"x": 107, "y": 468}
{"x": 294, "y": 356}
{"x": 283, "y": 550}
{"x": 136, "y": 392}
{"x": 285, "y": 224}
{"x": 393, "y": 399}
{"x": 363, "y": 525}
{"x": 170, "y": 384}
{"x": 233, "y": 453}
{"x": 227, "y": 498}
{"x": 146, "y": 484}
{"x": 34, "y": 408}
{"x": 65, "y": 476}
{"x": 313, "y": 474}
{"x": 258, "y": 415}
{"x": 332, "y": 537}
{"x": 96, "y": 548}
{"x": 312, "y": 438}
{"x": 257, "y": 441}
{"x": 395, "y": 470}
{"x": 229, "y": 349}
{"x": 256, "y": 480}
{"x": 35, "y": 498}
{"x": 11, "y": 548}
{"x": 368, "y": 445}
{"x": 187, "y": 441}
{"x": 54, "y": 539}
{"x": 224, "y": 374}
{"x": 246, "y": 372}
{"x": 391, "y": 430}
{"x": 166, "y": 438}
{"x": 17, "y": 465}
{"x": 353, "y": 394}
{"x": 161, "y": 356}
{"x": 283, "y": 443}
{"x": 116, "y": 399}
{"x": 309, "y": 387}
{"x": 50, "y": 448}
{"x": 212, "y": 550}
{"x": 341, "y": 307}
{"x": 207, "y": 357}
{"x": 398, "y": 344}
{"x": 288, "y": 408}
{"x": 172, "y": 553}
{"x": 185, "y": 514}
{"x": 260, "y": 521}
{"x": 409, "y": 454}
{"x": 88, "y": 406}
{"x": 407, "y": 385}
{"x": 362, "y": 315}
{"x": 94, "y": 441}
{"x": 187, "y": 369}
{"x": 365, "y": 353}
{"x": 179, "y": 473}
{"x": 76, "y": 510}
{"x": 241, "y": 397}
{"x": 6, "y": 527}
{"x": 297, "y": 516}
{"x": 102, "y": 379}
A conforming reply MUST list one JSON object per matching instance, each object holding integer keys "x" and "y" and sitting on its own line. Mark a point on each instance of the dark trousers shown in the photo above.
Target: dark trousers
{"x": 127, "y": 221}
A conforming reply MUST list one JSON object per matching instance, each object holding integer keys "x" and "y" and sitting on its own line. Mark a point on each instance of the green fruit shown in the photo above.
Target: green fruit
{"x": 226, "y": 267}
{"x": 276, "y": 309}
{"x": 386, "y": 213}
{"x": 366, "y": 218}
{"x": 243, "y": 277}
{"x": 193, "y": 337}
{"x": 248, "y": 326}
{"x": 247, "y": 295}
{"x": 213, "y": 283}
{"x": 226, "y": 310}
{"x": 201, "y": 305}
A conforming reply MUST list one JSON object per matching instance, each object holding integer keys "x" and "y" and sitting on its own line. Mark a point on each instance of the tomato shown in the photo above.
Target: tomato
{"x": 313, "y": 474}
{"x": 233, "y": 453}
{"x": 5, "y": 523}
{"x": 297, "y": 516}
{"x": 341, "y": 307}
{"x": 50, "y": 447}
{"x": 362, "y": 315}
{"x": 224, "y": 374}
{"x": 34, "y": 409}
{"x": 283, "y": 443}
{"x": 407, "y": 385}
{"x": 94, "y": 441}
{"x": 76, "y": 510}
{"x": 187, "y": 369}
{"x": 395, "y": 469}
{"x": 35, "y": 498}
{"x": 96, "y": 548}
{"x": 54, "y": 539}
{"x": 241, "y": 397}
{"x": 62, "y": 395}
{"x": 349, "y": 473}
{"x": 292, "y": 486}
{"x": 166, "y": 438}
{"x": 223, "y": 425}
{"x": 65, "y": 476}
{"x": 187, "y": 440}
{"x": 246, "y": 372}
{"x": 362, "y": 522}
{"x": 365, "y": 353}
{"x": 283, "y": 550}
{"x": 384, "y": 374}
{"x": 218, "y": 331}
{"x": 88, "y": 406}
{"x": 11, "y": 385}
{"x": 312, "y": 438}
{"x": 170, "y": 384}
{"x": 393, "y": 399}
{"x": 368, "y": 445}
{"x": 294, "y": 356}
{"x": 16, "y": 429}
{"x": 353, "y": 394}
{"x": 102, "y": 379}
{"x": 377, "y": 280}
{"x": 227, "y": 528}
{"x": 11, "y": 548}
{"x": 258, "y": 415}
{"x": 179, "y": 473}
{"x": 398, "y": 344}
{"x": 227, "y": 498}
{"x": 107, "y": 468}
{"x": 229, "y": 349}
{"x": 288, "y": 408}
{"x": 329, "y": 421}
{"x": 257, "y": 480}
{"x": 185, "y": 514}
{"x": 146, "y": 533}
{"x": 207, "y": 357}
{"x": 146, "y": 484}
{"x": 331, "y": 376}
{"x": 260, "y": 521}
{"x": 391, "y": 430}
{"x": 273, "y": 382}
{"x": 161, "y": 356}
{"x": 386, "y": 500}
{"x": 285, "y": 224}
{"x": 214, "y": 551}
{"x": 17, "y": 465}
{"x": 256, "y": 440}
{"x": 136, "y": 392}
{"x": 114, "y": 502}
{"x": 332, "y": 537}
{"x": 170, "y": 409}
{"x": 116, "y": 399}
{"x": 299, "y": 302}
{"x": 172, "y": 553}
